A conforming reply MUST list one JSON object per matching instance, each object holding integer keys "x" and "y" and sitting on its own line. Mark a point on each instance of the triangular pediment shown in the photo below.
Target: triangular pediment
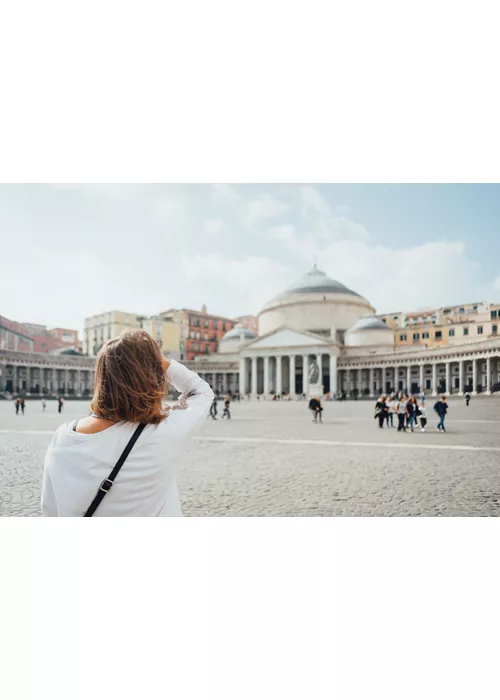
{"x": 288, "y": 338}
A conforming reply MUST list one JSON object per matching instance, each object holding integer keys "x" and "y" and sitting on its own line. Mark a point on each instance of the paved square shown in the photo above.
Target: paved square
{"x": 271, "y": 460}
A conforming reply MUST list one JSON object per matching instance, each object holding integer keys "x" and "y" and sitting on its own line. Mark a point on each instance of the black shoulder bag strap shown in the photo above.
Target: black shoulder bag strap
{"x": 106, "y": 485}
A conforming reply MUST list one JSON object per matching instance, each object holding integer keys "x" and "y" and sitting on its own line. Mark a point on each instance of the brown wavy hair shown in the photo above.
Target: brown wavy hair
{"x": 129, "y": 382}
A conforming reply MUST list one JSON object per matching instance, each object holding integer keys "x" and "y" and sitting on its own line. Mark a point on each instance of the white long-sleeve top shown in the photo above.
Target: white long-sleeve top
{"x": 76, "y": 463}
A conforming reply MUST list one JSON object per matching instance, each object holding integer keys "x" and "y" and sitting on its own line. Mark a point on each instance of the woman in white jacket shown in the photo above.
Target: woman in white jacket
{"x": 128, "y": 410}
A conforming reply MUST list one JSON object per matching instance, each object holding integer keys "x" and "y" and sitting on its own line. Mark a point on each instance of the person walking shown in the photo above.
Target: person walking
{"x": 131, "y": 429}
{"x": 381, "y": 411}
{"x": 412, "y": 411}
{"x": 60, "y": 404}
{"x": 23, "y": 405}
{"x": 316, "y": 409}
{"x": 213, "y": 409}
{"x": 423, "y": 417}
{"x": 391, "y": 409}
{"x": 441, "y": 408}
{"x": 227, "y": 403}
{"x": 467, "y": 398}
{"x": 44, "y": 405}
{"x": 18, "y": 405}
{"x": 402, "y": 411}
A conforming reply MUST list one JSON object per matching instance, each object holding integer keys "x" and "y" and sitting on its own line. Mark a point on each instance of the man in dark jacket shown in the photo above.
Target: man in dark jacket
{"x": 441, "y": 408}
{"x": 316, "y": 409}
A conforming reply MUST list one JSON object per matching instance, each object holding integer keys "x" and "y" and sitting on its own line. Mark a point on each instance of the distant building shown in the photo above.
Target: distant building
{"x": 444, "y": 326}
{"x": 102, "y": 327}
{"x": 12, "y": 336}
{"x": 167, "y": 333}
{"x": 202, "y": 330}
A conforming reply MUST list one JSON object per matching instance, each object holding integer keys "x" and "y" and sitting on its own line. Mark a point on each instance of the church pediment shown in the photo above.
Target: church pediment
{"x": 288, "y": 338}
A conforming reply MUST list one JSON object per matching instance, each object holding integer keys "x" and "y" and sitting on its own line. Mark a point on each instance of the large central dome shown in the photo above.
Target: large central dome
{"x": 316, "y": 281}
{"x": 314, "y": 303}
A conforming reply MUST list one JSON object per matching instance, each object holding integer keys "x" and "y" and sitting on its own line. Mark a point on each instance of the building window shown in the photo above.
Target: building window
{"x": 494, "y": 330}
{"x": 480, "y": 330}
{"x": 451, "y": 332}
{"x": 402, "y": 337}
{"x": 466, "y": 331}
{"x": 425, "y": 335}
{"x": 494, "y": 314}
{"x": 191, "y": 334}
{"x": 206, "y": 336}
{"x": 475, "y": 308}
{"x": 198, "y": 335}
{"x": 461, "y": 310}
{"x": 206, "y": 323}
{"x": 416, "y": 336}
{"x": 395, "y": 318}
{"x": 439, "y": 335}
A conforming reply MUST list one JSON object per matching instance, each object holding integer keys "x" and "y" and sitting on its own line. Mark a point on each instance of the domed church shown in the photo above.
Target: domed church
{"x": 319, "y": 337}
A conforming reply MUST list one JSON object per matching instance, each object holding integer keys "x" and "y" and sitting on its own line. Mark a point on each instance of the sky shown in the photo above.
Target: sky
{"x": 71, "y": 251}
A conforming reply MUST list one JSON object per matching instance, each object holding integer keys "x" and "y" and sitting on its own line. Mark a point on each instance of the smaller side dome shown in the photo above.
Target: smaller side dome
{"x": 243, "y": 334}
{"x": 369, "y": 331}
{"x": 369, "y": 323}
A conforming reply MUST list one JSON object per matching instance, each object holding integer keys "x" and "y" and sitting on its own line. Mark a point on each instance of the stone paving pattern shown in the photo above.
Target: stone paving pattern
{"x": 266, "y": 479}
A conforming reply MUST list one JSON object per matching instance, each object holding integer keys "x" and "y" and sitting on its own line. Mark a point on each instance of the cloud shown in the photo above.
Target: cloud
{"x": 238, "y": 286}
{"x": 89, "y": 248}
{"x": 263, "y": 207}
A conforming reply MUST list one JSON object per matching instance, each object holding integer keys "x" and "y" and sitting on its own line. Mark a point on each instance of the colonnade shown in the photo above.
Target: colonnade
{"x": 439, "y": 376}
{"x": 30, "y": 378}
{"x": 286, "y": 373}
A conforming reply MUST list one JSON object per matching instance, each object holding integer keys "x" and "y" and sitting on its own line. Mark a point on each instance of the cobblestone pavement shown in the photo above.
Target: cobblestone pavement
{"x": 271, "y": 460}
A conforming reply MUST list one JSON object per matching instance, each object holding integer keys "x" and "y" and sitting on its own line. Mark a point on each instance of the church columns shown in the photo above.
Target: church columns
{"x": 279, "y": 377}
{"x": 254, "y": 377}
{"x": 333, "y": 374}
{"x": 488, "y": 375}
{"x": 448, "y": 377}
{"x": 266, "y": 375}
{"x": 291, "y": 390}
{"x": 474, "y": 376}
{"x": 305, "y": 374}
{"x": 434, "y": 379}
{"x": 243, "y": 376}
{"x": 421, "y": 379}
{"x": 461, "y": 383}
{"x": 371, "y": 382}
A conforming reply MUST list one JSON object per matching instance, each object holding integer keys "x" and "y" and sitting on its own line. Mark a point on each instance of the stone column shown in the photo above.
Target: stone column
{"x": 408, "y": 380}
{"x": 448, "y": 378}
{"x": 488, "y": 375}
{"x": 371, "y": 382}
{"x": 474, "y": 376}
{"x": 305, "y": 374}
{"x": 266, "y": 376}
{"x": 292, "y": 375}
{"x": 66, "y": 382}
{"x": 434, "y": 379}
{"x": 2, "y": 377}
{"x": 279, "y": 377}
{"x": 461, "y": 365}
{"x": 243, "y": 377}
{"x": 421, "y": 379}
{"x": 224, "y": 382}
{"x": 333, "y": 374}
{"x": 254, "y": 377}
{"x": 319, "y": 362}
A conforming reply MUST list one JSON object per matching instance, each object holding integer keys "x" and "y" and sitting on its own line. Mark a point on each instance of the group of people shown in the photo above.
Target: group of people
{"x": 20, "y": 404}
{"x": 226, "y": 413}
{"x": 410, "y": 413}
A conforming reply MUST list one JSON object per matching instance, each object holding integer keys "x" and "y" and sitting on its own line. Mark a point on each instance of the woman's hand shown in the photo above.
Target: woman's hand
{"x": 165, "y": 364}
